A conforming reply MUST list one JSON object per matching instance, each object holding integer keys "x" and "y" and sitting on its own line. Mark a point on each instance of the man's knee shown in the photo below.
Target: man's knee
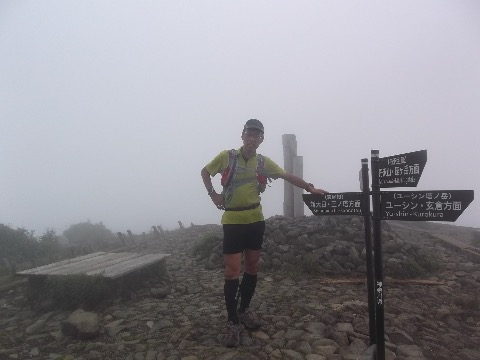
{"x": 232, "y": 273}
{"x": 232, "y": 266}
{"x": 251, "y": 267}
{"x": 252, "y": 259}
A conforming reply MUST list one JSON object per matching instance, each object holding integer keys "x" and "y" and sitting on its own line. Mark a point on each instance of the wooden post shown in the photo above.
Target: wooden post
{"x": 377, "y": 257}
{"x": 298, "y": 204}
{"x": 289, "y": 151}
{"x": 122, "y": 238}
{"x": 131, "y": 237}
{"x": 365, "y": 187}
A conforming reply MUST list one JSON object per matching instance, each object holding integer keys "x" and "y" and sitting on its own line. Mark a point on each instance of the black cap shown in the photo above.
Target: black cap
{"x": 253, "y": 124}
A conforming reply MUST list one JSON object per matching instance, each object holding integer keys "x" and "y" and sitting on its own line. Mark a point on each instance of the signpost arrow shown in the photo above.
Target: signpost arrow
{"x": 347, "y": 203}
{"x": 433, "y": 205}
{"x": 402, "y": 170}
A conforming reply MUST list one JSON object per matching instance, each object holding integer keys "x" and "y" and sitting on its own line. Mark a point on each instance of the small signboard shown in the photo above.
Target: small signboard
{"x": 402, "y": 170}
{"x": 433, "y": 205}
{"x": 347, "y": 203}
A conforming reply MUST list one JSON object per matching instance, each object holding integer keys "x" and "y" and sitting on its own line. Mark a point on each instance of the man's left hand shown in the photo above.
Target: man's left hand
{"x": 316, "y": 191}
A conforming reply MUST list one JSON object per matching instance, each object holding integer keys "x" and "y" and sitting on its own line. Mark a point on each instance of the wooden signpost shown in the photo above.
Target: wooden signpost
{"x": 402, "y": 170}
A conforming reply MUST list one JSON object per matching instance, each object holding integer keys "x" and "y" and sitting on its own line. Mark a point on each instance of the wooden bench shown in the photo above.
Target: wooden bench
{"x": 109, "y": 265}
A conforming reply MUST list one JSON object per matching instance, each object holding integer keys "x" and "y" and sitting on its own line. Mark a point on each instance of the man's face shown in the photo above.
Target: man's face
{"x": 252, "y": 138}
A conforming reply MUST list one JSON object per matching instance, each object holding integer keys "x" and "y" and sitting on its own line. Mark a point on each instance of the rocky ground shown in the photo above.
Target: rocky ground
{"x": 305, "y": 315}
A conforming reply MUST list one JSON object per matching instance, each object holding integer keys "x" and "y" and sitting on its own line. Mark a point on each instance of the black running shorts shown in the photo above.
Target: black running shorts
{"x": 238, "y": 237}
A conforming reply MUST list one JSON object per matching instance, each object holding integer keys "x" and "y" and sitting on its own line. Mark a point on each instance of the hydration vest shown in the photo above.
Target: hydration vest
{"x": 228, "y": 174}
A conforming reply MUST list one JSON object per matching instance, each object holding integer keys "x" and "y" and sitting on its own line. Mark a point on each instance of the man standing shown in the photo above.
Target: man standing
{"x": 244, "y": 176}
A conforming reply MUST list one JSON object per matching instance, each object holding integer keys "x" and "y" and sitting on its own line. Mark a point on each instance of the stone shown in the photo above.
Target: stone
{"x": 409, "y": 351}
{"x": 292, "y": 355}
{"x": 345, "y": 327}
{"x": 304, "y": 347}
{"x": 316, "y": 328}
{"x": 82, "y": 325}
{"x": 398, "y": 336}
{"x": 325, "y": 349}
{"x": 160, "y": 293}
{"x": 315, "y": 357}
{"x": 294, "y": 334}
{"x": 260, "y": 335}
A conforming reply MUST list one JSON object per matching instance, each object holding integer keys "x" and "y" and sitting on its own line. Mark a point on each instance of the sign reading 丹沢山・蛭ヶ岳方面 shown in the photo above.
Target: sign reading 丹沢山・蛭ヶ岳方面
{"x": 402, "y": 170}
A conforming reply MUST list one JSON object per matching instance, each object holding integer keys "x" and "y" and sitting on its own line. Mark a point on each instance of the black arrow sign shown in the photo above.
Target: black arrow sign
{"x": 347, "y": 203}
{"x": 402, "y": 170}
{"x": 433, "y": 205}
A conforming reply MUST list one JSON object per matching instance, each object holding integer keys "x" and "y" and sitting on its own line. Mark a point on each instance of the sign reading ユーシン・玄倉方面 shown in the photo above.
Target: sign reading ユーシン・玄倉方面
{"x": 432, "y": 205}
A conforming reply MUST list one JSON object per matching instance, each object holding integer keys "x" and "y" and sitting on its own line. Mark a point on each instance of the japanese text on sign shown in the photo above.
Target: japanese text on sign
{"x": 335, "y": 203}
{"x": 402, "y": 170}
{"x": 379, "y": 292}
{"x": 444, "y": 205}
{"x": 435, "y": 202}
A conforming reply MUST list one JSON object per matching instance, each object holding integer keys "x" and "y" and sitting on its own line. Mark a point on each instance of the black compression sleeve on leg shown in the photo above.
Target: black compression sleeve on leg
{"x": 230, "y": 291}
{"x": 247, "y": 289}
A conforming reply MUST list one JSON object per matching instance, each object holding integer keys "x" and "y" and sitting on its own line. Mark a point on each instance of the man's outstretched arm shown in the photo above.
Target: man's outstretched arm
{"x": 299, "y": 182}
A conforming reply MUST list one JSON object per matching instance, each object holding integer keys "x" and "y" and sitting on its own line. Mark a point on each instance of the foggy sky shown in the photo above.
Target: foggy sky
{"x": 109, "y": 109}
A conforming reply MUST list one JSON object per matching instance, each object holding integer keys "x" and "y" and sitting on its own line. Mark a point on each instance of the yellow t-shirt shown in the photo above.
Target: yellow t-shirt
{"x": 244, "y": 189}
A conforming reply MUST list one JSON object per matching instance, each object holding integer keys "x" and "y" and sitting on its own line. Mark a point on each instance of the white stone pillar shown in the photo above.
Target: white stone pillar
{"x": 298, "y": 204}
{"x": 289, "y": 152}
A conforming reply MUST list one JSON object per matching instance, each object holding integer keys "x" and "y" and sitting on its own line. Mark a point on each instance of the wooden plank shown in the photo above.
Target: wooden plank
{"x": 112, "y": 265}
{"x": 74, "y": 266}
{"x": 128, "y": 266}
{"x": 91, "y": 264}
{"x": 70, "y": 262}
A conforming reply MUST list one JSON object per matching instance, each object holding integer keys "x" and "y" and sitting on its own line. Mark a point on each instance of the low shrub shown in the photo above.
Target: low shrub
{"x": 468, "y": 302}
{"x": 476, "y": 239}
{"x": 421, "y": 265}
{"x": 411, "y": 269}
{"x": 429, "y": 262}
